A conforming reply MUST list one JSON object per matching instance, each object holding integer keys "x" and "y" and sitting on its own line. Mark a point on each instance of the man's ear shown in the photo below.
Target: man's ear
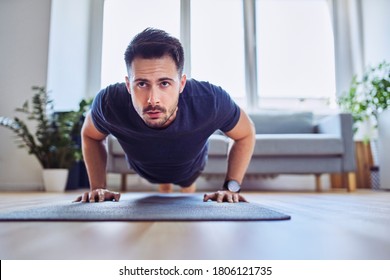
{"x": 128, "y": 84}
{"x": 183, "y": 81}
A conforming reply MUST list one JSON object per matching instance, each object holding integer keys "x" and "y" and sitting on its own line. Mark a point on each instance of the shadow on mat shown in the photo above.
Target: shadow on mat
{"x": 169, "y": 199}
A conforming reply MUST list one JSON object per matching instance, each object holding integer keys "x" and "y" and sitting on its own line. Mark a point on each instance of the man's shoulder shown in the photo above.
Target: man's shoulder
{"x": 114, "y": 89}
{"x": 202, "y": 89}
{"x": 198, "y": 86}
{"x": 110, "y": 108}
{"x": 207, "y": 103}
{"x": 113, "y": 94}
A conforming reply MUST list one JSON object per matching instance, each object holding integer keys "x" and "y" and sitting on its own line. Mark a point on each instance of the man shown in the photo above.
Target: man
{"x": 163, "y": 122}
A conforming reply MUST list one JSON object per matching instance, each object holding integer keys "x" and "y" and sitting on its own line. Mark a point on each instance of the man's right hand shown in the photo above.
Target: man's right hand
{"x": 98, "y": 195}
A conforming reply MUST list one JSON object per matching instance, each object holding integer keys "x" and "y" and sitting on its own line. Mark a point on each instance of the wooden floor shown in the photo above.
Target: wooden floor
{"x": 329, "y": 225}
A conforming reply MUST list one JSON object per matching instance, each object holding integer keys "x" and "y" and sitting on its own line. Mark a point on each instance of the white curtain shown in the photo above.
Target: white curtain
{"x": 348, "y": 41}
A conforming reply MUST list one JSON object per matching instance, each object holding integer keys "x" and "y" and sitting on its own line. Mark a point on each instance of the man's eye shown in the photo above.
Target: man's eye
{"x": 165, "y": 84}
{"x": 141, "y": 84}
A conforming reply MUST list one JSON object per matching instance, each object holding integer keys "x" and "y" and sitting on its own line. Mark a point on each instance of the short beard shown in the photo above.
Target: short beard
{"x": 161, "y": 123}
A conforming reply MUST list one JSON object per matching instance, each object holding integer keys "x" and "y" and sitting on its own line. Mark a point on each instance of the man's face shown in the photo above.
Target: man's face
{"x": 155, "y": 86}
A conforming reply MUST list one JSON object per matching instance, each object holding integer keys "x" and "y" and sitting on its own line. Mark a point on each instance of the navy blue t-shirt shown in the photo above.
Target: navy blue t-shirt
{"x": 175, "y": 153}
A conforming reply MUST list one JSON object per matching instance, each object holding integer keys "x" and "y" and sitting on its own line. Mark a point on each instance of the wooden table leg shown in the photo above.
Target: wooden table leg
{"x": 123, "y": 182}
{"x": 364, "y": 162}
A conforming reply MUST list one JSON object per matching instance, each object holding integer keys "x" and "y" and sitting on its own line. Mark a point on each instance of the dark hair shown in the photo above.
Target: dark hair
{"x": 155, "y": 43}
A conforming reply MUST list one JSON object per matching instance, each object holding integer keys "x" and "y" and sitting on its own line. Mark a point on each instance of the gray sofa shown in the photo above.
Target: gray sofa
{"x": 286, "y": 143}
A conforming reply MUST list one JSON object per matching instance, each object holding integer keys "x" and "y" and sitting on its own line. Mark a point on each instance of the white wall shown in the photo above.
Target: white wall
{"x": 24, "y": 33}
{"x": 376, "y": 33}
{"x": 74, "y": 51}
{"x": 52, "y": 43}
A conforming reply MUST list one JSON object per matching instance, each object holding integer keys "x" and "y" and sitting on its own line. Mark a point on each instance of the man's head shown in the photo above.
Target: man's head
{"x": 154, "y": 61}
{"x": 154, "y": 43}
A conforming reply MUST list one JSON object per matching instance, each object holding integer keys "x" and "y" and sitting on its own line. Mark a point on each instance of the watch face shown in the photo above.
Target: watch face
{"x": 233, "y": 186}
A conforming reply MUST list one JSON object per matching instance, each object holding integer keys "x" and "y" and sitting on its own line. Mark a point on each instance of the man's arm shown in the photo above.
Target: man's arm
{"x": 95, "y": 158}
{"x": 241, "y": 152}
{"x": 240, "y": 155}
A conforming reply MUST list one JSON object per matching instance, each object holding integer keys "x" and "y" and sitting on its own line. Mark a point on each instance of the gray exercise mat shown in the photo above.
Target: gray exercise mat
{"x": 161, "y": 207}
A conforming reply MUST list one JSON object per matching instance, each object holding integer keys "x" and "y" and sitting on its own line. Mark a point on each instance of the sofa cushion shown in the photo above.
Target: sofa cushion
{"x": 279, "y": 122}
{"x": 218, "y": 145}
{"x": 115, "y": 147}
{"x": 297, "y": 144}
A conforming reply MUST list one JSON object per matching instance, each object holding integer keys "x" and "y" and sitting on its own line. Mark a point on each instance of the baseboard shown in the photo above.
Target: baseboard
{"x": 12, "y": 187}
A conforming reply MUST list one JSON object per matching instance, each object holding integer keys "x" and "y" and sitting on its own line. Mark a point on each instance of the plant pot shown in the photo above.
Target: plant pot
{"x": 54, "y": 180}
{"x": 78, "y": 176}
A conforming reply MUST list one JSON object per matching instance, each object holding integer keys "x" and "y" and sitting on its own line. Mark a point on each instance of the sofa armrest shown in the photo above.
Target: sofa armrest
{"x": 341, "y": 125}
{"x": 218, "y": 145}
{"x": 110, "y": 144}
{"x": 349, "y": 162}
{"x": 116, "y": 158}
{"x": 330, "y": 124}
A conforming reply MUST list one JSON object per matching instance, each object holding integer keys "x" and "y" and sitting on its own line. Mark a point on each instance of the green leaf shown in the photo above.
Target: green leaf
{"x": 52, "y": 140}
{"x": 368, "y": 95}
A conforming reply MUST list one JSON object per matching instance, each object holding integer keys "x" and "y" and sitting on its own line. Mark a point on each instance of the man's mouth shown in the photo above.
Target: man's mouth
{"x": 154, "y": 114}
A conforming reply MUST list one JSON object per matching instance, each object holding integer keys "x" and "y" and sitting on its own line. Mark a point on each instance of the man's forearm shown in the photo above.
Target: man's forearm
{"x": 239, "y": 158}
{"x": 95, "y": 158}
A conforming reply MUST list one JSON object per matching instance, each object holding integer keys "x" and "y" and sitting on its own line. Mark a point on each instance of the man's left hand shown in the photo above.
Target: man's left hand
{"x": 224, "y": 196}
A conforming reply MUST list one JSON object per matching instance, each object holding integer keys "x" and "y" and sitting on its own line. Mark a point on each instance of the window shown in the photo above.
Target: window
{"x": 217, "y": 45}
{"x": 294, "y": 43}
{"x": 295, "y": 54}
{"x": 123, "y": 19}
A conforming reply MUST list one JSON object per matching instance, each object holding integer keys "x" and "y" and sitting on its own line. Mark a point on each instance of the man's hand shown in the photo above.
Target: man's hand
{"x": 224, "y": 196}
{"x": 98, "y": 195}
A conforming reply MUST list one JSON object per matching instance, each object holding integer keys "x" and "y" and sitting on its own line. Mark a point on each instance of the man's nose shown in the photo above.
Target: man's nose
{"x": 153, "y": 97}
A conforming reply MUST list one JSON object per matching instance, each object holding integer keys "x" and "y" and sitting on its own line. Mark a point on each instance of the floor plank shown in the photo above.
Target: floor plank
{"x": 330, "y": 225}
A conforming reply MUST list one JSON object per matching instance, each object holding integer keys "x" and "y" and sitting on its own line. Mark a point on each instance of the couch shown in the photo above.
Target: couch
{"x": 286, "y": 143}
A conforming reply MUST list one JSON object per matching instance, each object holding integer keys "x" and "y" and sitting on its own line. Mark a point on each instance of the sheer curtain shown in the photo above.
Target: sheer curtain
{"x": 348, "y": 40}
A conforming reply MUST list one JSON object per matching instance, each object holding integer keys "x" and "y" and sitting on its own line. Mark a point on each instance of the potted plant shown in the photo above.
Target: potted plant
{"x": 367, "y": 98}
{"x": 53, "y": 142}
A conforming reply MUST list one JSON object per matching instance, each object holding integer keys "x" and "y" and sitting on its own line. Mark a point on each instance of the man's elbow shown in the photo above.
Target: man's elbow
{"x": 251, "y": 134}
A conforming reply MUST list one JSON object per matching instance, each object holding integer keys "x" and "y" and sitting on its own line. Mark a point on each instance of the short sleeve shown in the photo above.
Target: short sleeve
{"x": 98, "y": 111}
{"x": 228, "y": 112}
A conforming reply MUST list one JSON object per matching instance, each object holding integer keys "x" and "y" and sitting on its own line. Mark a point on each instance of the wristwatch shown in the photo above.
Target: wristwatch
{"x": 232, "y": 185}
